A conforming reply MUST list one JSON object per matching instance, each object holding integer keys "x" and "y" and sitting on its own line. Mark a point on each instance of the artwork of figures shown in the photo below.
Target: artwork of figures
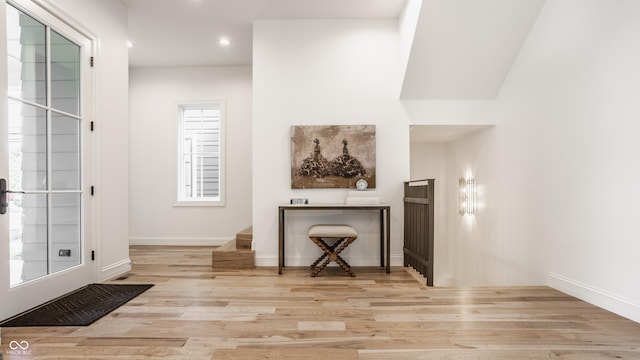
{"x": 332, "y": 156}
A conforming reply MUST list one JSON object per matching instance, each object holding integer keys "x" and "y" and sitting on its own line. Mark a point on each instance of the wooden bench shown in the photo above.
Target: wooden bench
{"x": 344, "y": 235}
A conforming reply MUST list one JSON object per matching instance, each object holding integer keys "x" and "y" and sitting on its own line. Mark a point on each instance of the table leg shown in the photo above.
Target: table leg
{"x": 388, "y": 230}
{"x": 381, "y": 237}
{"x": 280, "y": 240}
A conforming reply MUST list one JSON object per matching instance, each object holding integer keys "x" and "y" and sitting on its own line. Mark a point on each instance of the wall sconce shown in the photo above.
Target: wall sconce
{"x": 467, "y": 197}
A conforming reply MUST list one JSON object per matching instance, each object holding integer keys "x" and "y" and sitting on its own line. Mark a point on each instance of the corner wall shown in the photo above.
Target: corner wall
{"x": 429, "y": 161}
{"x": 557, "y": 173}
{"x": 155, "y": 94}
{"x": 500, "y": 244}
{"x": 331, "y": 72}
{"x": 577, "y": 82}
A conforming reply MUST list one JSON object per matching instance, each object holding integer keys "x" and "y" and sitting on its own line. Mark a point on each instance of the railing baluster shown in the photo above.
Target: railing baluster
{"x": 418, "y": 227}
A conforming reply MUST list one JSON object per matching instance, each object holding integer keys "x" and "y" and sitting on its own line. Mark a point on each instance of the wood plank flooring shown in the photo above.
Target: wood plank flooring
{"x": 193, "y": 312}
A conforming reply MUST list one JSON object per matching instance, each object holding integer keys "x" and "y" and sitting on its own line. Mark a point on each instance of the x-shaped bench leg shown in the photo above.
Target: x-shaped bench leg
{"x": 331, "y": 252}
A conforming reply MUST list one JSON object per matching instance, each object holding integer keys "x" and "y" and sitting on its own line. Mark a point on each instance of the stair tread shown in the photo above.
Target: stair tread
{"x": 248, "y": 231}
{"x": 228, "y": 246}
{"x": 231, "y": 246}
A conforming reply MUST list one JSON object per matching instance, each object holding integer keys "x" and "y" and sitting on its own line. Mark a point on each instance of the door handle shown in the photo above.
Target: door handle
{"x": 3, "y": 196}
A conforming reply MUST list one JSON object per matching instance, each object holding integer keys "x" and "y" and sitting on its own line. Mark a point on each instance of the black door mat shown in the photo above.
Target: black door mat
{"x": 80, "y": 307}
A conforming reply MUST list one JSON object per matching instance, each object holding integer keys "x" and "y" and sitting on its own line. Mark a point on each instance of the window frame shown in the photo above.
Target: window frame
{"x": 179, "y": 173}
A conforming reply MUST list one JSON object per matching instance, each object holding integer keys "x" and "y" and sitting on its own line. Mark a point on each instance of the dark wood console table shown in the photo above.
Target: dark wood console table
{"x": 385, "y": 233}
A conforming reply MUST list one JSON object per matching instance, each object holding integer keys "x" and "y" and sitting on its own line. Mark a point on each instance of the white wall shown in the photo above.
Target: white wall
{"x": 556, "y": 175}
{"x": 500, "y": 244}
{"x": 497, "y": 245}
{"x": 577, "y": 82}
{"x": 429, "y": 161}
{"x": 407, "y": 22}
{"x": 314, "y": 72}
{"x": 155, "y": 94}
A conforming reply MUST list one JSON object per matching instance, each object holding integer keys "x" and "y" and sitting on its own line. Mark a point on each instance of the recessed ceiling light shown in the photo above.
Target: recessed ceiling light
{"x": 129, "y": 43}
{"x": 224, "y": 41}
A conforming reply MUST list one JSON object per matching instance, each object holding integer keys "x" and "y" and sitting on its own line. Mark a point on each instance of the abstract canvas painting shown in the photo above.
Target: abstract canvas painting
{"x": 332, "y": 156}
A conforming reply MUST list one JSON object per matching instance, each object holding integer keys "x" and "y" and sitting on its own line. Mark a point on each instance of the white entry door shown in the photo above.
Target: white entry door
{"x": 46, "y": 204}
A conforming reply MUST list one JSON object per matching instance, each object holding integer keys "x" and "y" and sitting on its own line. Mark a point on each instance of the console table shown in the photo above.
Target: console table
{"x": 385, "y": 234}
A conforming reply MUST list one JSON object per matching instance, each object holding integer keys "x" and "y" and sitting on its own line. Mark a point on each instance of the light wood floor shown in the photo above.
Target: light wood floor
{"x": 194, "y": 313}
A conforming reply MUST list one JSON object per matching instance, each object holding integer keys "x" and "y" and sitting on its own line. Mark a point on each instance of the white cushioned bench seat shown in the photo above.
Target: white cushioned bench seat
{"x": 332, "y": 231}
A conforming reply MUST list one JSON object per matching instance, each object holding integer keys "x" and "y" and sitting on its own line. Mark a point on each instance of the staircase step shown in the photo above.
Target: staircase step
{"x": 244, "y": 238}
{"x": 228, "y": 257}
{"x": 235, "y": 254}
{"x": 228, "y": 246}
{"x": 239, "y": 259}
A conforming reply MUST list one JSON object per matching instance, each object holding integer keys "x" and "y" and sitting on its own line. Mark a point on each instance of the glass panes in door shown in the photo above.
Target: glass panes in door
{"x": 44, "y": 149}
{"x": 65, "y": 75}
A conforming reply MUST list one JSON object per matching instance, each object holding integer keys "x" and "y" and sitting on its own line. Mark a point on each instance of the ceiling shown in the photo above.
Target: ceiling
{"x": 186, "y": 32}
{"x": 441, "y": 133}
{"x": 461, "y": 49}
{"x": 464, "y": 49}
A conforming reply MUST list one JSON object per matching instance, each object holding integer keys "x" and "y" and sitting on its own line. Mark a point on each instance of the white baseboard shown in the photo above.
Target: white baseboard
{"x": 179, "y": 241}
{"x": 617, "y": 304}
{"x": 114, "y": 270}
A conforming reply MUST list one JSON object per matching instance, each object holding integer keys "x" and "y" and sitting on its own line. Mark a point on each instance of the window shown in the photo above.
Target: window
{"x": 200, "y": 153}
